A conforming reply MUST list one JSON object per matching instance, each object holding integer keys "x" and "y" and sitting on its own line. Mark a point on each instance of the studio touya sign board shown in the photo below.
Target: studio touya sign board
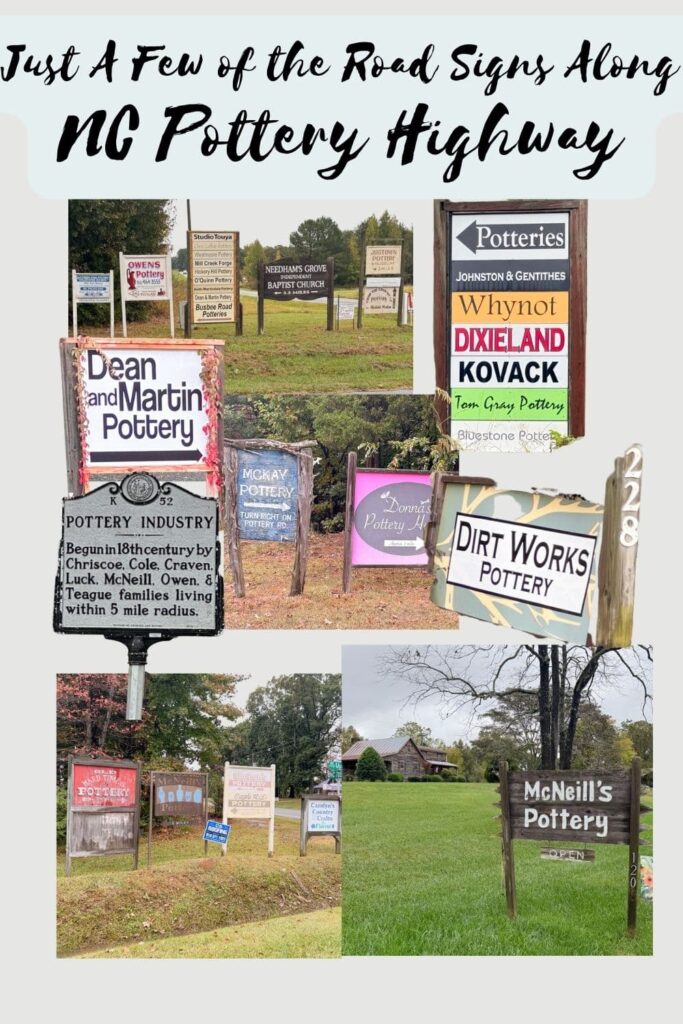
{"x": 267, "y": 494}
{"x": 523, "y": 560}
{"x": 143, "y": 406}
{"x": 509, "y": 338}
{"x": 213, "y": 258}
{"x": 390, "y": 513}
{"x": 139, "y": 557}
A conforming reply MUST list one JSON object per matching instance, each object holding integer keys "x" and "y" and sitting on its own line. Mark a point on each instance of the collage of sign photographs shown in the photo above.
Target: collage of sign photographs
{"x": 246, "y": 451}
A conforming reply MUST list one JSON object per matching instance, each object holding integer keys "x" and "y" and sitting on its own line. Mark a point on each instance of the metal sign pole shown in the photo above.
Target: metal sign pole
{"x": 111, "y": 303}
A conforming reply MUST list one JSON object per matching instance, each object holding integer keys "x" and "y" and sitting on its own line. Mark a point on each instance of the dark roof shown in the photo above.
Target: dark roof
{"x": 386, "y": 747}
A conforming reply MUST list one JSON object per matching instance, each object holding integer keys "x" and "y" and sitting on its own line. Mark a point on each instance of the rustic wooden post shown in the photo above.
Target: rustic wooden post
{"x": 260, "y": 302}
{"x": 232, "y": 533}
{"x": 239, "y": 322}
{"x": 303, "y": 521}
{"x": 506, "y": 835}
{"x": 619, "y": 550}
{"x": 69, "y": 798}
{"x": 303, "y": 835}
{"x": 190, "y": 276}
{"x": 226, "y": 767}
{"x": 634, "y": 850}
{"x": 330, "y": 294}
{"x": 431, "y": 532}
{"x": 68, "y": 351}
{"x": 578, "y": 234}
{"x": 351, "y": 465}
{"x": 361, "y": 283}
{"x": 206, "y": 810}
{"x": 400, "y": 284}
{"x": 442, "y": 401}
{"x": 151, "y": 815}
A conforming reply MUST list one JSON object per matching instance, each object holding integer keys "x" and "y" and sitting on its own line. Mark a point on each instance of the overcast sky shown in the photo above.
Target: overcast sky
{"x": 376, "y": 704}
{"x": 272, "y": 221}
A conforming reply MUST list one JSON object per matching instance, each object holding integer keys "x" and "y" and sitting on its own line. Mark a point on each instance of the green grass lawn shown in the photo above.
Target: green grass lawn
{"x": 105, "y": 904}
{"x": 422, "y": 876}
{"x": 298, "y": 936}
{"x": 297, "y": 354}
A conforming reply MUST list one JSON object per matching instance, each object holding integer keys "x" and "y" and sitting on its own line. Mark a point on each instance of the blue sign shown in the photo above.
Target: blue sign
{"x": 217, "y": 832}
{"x": 267, "y": 495}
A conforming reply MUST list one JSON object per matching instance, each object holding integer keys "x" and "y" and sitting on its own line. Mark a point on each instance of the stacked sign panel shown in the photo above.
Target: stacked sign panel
{"x": 509, "y": 329}
{"x": 213, "y": 268}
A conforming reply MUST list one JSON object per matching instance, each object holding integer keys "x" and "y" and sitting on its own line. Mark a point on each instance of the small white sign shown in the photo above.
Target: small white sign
{"x": 322, "y": 816}
{"x": 92, "y": 287}
{"x": 382, "y": 282}
{"x": 346, "y": 309}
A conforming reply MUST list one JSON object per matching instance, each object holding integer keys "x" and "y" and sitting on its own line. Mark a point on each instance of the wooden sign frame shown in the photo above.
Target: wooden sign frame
{"x": 101, "y": 762}
{"x": 75, "y": 417}
{"x": 352, "y": 469}
{"x": 305, "y": 834}
{"x": 169, "y": 276}
{"x": 204, "y": 817}
{"x": 577, "y": 211}
{"x": 227, "y": 819}
{"x": 261, "y": 292}
{"x": 631, "y": 836}
{"x": 75, "y": 301}
{"x": 301, "y": 450}
{"x": 619, "y": 551}
{"x": 191, "y": 322}
{"x": 380, "y": 242}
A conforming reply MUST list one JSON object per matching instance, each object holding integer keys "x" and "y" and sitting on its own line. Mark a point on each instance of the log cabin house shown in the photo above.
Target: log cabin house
{"x": 400, "y": 754}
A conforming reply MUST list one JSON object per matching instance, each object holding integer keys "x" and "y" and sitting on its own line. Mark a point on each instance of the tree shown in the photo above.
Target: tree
{"x": 370, "y": 766}
{"x": 101, "y": 228}
{"x": 596, "y": 743}
{"x": 557, "y": 679}
{"x": 640, "y": 735}
{"x": 347, "y": 737}
{"x": 254, "y": 253}
{"x": 179, "y": 261}
{"x": 420, "y": 734}
{"x": 293, "y": 722}
{"x": 317, "y": 240}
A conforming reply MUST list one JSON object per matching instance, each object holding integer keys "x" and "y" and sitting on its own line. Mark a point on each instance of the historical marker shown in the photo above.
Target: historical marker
{"x": 103, "y": 808}
{"x": 139, "y": 562}
{"x": 510, "y": 311}
{"x": 320, "y": 816}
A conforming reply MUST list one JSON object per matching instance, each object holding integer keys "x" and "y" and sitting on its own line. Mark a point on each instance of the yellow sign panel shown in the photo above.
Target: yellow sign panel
{"x": 509, "y": 307}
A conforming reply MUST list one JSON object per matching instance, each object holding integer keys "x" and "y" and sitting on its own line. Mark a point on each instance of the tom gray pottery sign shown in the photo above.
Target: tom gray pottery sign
{"x": 139, "y": 556}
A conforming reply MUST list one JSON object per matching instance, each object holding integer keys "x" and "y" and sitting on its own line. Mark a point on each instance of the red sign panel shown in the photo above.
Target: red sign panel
{"x": 103, "y": 786}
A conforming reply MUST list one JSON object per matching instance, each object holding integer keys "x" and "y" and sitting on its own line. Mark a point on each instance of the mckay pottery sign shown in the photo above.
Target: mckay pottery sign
{"x": 515, "y": 323}
{"x": 523, "y": 560}
{"x": 390, "y": 513}
{"x": 140, "y": 556}
{"x": 267, "y": 494}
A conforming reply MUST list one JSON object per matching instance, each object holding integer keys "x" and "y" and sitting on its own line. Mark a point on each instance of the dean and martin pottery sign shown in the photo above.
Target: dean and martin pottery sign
{"x": 103, "y": 808}
{"x": 567, "y": 806}
{"x": 510, "y": 321}
{"x": 517, "y": 559}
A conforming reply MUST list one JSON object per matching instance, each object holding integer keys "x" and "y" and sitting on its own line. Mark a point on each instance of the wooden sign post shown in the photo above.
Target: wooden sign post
{"x": 182, "y": 796}
{"x": 387, "y": 511}
{"x": 510, "y": 322}
{"x": 102, "y": 809}
{"x": 556, "y": 806}
{"x": 320, "y": 816}
{"x": 617, "y": 565}
{"x": 249, "y": 792}
{"x": 269, "y": 494}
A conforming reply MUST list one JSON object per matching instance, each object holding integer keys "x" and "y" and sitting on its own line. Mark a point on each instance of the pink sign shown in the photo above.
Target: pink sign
{"x": 390, "y": 513}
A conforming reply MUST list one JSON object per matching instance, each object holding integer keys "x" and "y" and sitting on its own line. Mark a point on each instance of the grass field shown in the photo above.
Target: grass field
{"x": 297, "y": 354}
{"x": 200, "y": 901}
{"x": 422, "y": 876}
{"x": 379, "y": 599}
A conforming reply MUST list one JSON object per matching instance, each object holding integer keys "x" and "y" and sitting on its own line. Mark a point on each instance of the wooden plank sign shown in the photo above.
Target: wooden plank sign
{"x": 103, "y": 808}
{"x": 387, "y": 512}
{"x": 269, "y": 493}
{"x": 517, "y": 559}
{"x": 249, "y": 792}
{"x": 179, "y": 796}
{"x": 146, "y": 279}
{"x": 213, "y": 276}
{"x": 510, "y": 314}
{"x": 320, "y": 816}
{"x": 583, "y": 806}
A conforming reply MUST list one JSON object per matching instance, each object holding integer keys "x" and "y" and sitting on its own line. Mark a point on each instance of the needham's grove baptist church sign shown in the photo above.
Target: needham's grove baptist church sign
{"x": 510, "y": 312}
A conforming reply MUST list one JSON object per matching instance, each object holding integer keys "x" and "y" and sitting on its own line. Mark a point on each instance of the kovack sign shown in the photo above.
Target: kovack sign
{"x": 213, "y": 276}
{"x": 287, "y": 280}
{"x": 103, "y": 808}
{"x": 513, "y": 323}
{"x": 524, "y": 560}
{"x": 267, "y": 494}
{"x": 139, "y": 558}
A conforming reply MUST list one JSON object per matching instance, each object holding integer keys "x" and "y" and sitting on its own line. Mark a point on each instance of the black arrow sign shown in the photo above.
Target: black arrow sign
{"x": 507, "y": 236}
{"x": 183, "y": 455}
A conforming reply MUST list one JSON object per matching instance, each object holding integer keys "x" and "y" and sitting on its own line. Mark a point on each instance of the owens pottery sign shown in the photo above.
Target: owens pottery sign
{"x": 146, "y": 279}
{"x": 510, "y": 315}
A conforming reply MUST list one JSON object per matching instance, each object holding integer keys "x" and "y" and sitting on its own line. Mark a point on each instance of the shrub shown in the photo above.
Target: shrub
{"x": 394, "y": 777}
{"x": 448, "y": 775}
{"x": 61, "y": 814}
{"x": 370, "y": 767}
{"x": 431, "y": 778}
{"x": 414, "y": 778}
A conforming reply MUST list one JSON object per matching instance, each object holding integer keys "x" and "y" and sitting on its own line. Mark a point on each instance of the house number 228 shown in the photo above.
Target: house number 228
{"x": 631, "y": 507}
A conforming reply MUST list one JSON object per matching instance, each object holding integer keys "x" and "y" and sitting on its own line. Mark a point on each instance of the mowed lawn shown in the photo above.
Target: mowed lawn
{"x": 391, "y": 598}
{"x": 188, "y": 904}
{"x": 422, "y": 876}
{"x": 296, "y": 354}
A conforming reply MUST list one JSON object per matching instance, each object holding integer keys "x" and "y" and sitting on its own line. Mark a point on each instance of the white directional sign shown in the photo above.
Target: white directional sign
{"x": 213, "y": 258}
